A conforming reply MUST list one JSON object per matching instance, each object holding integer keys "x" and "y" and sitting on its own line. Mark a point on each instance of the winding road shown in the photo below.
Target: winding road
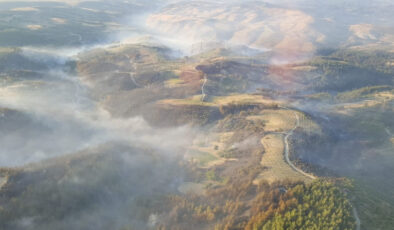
{"x": 287, "y": 147}
{"x": 132, "y": 74}
{"x": 286, "y": 140}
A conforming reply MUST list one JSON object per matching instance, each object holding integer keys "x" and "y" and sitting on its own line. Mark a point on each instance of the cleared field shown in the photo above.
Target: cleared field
{"x": 225, "y": 100}
{"x": 213, "y": 143}
{"x": 273, "y": 162}
{"x": 174, "y": 82}
{"x": 203, "y": 159}
{"x": 242, "y": 98}
{"x": 195, "y": 100}
{"x": 282, "y": 123}
{"x": 276, "y": 120}
{"x": 348, "y": 108}
{"x": 284, "y": 120}
{"x": 361, "y": 104}
{"x": 383, "y": 99}
{"x": 387, "y": 95}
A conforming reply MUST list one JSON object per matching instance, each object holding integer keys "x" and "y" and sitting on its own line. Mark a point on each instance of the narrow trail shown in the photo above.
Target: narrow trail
{"x": 202, "y": 88}
{"x": 134, "y": 81}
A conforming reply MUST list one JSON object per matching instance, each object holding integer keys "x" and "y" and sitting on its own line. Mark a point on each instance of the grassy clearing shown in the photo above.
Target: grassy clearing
{"x": 365, "y": 92}
{"x": 195, "y": 100}
{"x": 174, "y": 82}
{"x": 361, "y": 104}
{"x": 203, "y": 159}
{"x": 242, "y": 98}
{"x": 379, "y": 100}
{"x": 276, "y": 120}
{"x": 206, "y": 149}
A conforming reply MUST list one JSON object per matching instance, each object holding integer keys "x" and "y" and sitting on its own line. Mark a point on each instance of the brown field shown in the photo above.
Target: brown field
{"x": 173, "y": 83}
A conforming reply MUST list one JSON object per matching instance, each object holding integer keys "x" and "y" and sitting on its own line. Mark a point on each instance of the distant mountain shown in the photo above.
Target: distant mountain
{"x": 255, "y": 24}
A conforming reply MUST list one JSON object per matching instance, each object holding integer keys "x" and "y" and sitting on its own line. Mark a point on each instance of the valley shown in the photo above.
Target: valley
{"x": 226, "y": 115}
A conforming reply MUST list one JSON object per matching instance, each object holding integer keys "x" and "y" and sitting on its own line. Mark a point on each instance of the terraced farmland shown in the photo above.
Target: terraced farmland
{"x": 275, "y": 167}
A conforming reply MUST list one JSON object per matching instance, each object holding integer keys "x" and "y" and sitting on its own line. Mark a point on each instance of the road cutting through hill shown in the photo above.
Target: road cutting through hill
{"x": 287, "y": 147}
{"x": 286, "y": 140}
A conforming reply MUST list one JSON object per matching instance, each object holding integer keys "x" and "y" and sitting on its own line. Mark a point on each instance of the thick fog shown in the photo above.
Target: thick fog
{"x": 54, "y": 115}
